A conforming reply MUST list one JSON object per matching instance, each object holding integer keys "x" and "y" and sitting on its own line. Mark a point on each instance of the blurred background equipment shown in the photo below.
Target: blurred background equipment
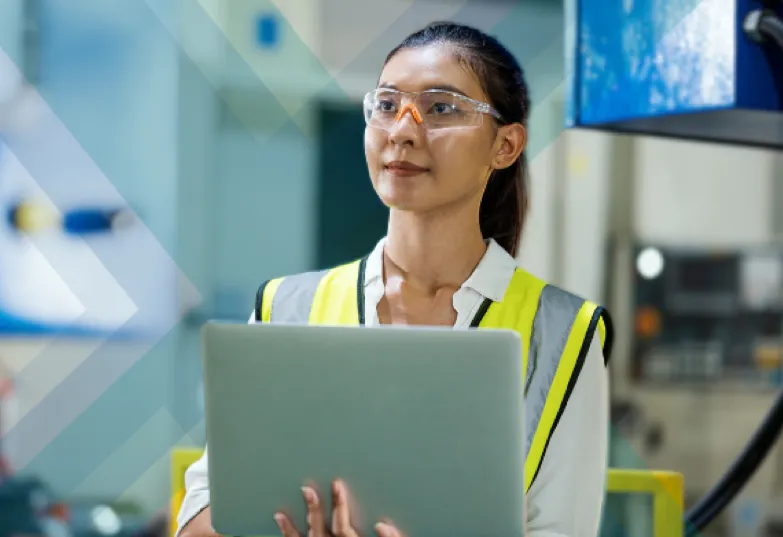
{"x": 28, "y": 217}
{"x": 27, "y": 507}
{"x": 709, "y": 317}
{"x": 58, "y": 257}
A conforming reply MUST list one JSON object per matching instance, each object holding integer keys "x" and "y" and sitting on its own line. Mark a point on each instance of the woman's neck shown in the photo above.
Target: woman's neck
{"x": 432, "y": 251}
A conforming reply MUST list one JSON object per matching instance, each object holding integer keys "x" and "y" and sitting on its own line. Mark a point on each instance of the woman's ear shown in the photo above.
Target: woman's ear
{"x": 510, "y": 142}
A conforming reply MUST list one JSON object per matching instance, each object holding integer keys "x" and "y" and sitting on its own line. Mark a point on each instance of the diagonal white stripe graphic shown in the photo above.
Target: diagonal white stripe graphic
{"x": 147, "y": 447}
{"x": 135, "y": 274}
{"x": 157, "y": 477}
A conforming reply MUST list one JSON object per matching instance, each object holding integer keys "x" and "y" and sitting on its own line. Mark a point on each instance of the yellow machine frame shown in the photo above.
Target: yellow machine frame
{"x": 666, "y": 489}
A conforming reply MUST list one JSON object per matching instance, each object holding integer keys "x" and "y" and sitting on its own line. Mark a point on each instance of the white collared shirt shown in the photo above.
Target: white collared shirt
{"x": 567, "y": 496}
{"x": 489, "y": 280}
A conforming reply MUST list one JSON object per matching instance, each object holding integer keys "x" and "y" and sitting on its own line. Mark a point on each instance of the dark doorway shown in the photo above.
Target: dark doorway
{"x": 351, "y": 219}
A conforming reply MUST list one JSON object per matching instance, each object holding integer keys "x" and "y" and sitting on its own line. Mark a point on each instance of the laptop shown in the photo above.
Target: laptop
{"x": 425, "y": 426}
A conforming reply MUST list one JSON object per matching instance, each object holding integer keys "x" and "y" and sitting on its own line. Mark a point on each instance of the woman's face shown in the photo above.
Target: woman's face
{"x": 456, "y": 161}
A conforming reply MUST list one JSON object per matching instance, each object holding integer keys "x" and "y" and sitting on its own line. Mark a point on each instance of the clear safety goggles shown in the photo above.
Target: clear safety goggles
{"x": 434, "y": 109}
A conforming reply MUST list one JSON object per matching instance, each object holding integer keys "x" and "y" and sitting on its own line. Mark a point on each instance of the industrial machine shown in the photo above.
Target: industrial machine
{"x": 708, "y": 70}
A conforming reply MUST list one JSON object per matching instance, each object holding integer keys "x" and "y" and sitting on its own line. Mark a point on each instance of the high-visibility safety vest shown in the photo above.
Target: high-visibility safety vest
{"x": 556, "y": 329}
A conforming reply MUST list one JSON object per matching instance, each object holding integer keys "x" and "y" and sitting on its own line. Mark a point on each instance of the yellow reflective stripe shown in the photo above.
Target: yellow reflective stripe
{"x": 558, "y": 391}
{"x": 602, "y": 331}
{"x": 266, "y": 301}
{"x": 517, "y": 311}
{"x": 336, "y": 301}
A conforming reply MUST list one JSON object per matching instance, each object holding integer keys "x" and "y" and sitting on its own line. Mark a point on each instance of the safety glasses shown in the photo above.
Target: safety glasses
{"x": 434, "y": 109}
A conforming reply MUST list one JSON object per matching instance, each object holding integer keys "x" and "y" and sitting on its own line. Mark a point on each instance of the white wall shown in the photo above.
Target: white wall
{"x": 537, "y": 248}
{"x": 697, "y": 194}
{"x": 565, "y": 240}
{"x": 586, "y": 212}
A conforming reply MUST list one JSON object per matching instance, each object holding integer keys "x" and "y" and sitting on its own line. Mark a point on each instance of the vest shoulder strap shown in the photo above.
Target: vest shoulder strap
{"x": 563, "y": 331}
{"x": 560, "y": 307}
{"x": 557, "y": 328}
{"x": 330, "y": 296}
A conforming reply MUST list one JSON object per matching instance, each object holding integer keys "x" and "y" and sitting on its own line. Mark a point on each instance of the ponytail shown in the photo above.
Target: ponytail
{"x": 504, "y": 206}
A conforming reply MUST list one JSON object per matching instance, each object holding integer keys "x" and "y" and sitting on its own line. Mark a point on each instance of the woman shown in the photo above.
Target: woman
{"x": 445, "y": 143}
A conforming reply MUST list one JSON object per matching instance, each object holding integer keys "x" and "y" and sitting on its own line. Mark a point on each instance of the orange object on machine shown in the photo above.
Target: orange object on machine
{"x": 648, "y": 322}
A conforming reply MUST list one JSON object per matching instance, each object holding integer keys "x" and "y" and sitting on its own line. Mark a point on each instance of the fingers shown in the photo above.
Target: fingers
{"x": 315, "y": 517}
{"x": 316, "y": 526}
{"x": 341, "y": 515}
{"x": 287, "y": 528}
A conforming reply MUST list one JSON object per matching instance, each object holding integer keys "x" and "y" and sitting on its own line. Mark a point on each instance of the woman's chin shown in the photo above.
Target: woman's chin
{"x": 401, "y": 201}
{"x": 402, "y": 195}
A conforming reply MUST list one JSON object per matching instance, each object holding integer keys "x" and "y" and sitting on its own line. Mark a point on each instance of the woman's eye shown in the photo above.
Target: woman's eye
{"x": 385, "y": 106}
{"x": 442, "y": 108}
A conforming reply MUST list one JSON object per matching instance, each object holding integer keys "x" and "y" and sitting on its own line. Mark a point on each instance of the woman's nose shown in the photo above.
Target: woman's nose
{"x": 406, "y": 127}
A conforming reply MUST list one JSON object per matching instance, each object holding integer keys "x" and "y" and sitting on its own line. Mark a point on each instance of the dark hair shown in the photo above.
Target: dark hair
{"x": 505, "y": 202}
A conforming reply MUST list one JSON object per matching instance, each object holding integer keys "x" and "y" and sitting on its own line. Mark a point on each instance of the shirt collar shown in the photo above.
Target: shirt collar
{"x": 490, "y": 278}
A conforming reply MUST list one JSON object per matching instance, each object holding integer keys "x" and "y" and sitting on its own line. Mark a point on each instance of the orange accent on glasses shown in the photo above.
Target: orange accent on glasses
{"x": 414, "y": 113}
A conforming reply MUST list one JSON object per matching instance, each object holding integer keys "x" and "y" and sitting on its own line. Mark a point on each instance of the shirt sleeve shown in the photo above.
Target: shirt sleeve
{"x": 196, "y": 492}
{"x": 566, "y": 499}
{"x": 197, "y": 483}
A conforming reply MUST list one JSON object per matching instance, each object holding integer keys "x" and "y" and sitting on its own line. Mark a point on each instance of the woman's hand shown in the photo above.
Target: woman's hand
{"x": 341, "y": 518}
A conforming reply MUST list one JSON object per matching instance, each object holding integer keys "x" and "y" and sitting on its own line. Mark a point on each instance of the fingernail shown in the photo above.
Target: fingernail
{"x": 310, "y": 496}
{"x": 279, "y": 519}
{"x": 342, "y": 494}
{"x": 382, "y": 529}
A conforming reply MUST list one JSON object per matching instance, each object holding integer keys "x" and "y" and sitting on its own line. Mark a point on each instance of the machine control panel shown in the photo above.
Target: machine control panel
{"x": 705, "y": 316}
